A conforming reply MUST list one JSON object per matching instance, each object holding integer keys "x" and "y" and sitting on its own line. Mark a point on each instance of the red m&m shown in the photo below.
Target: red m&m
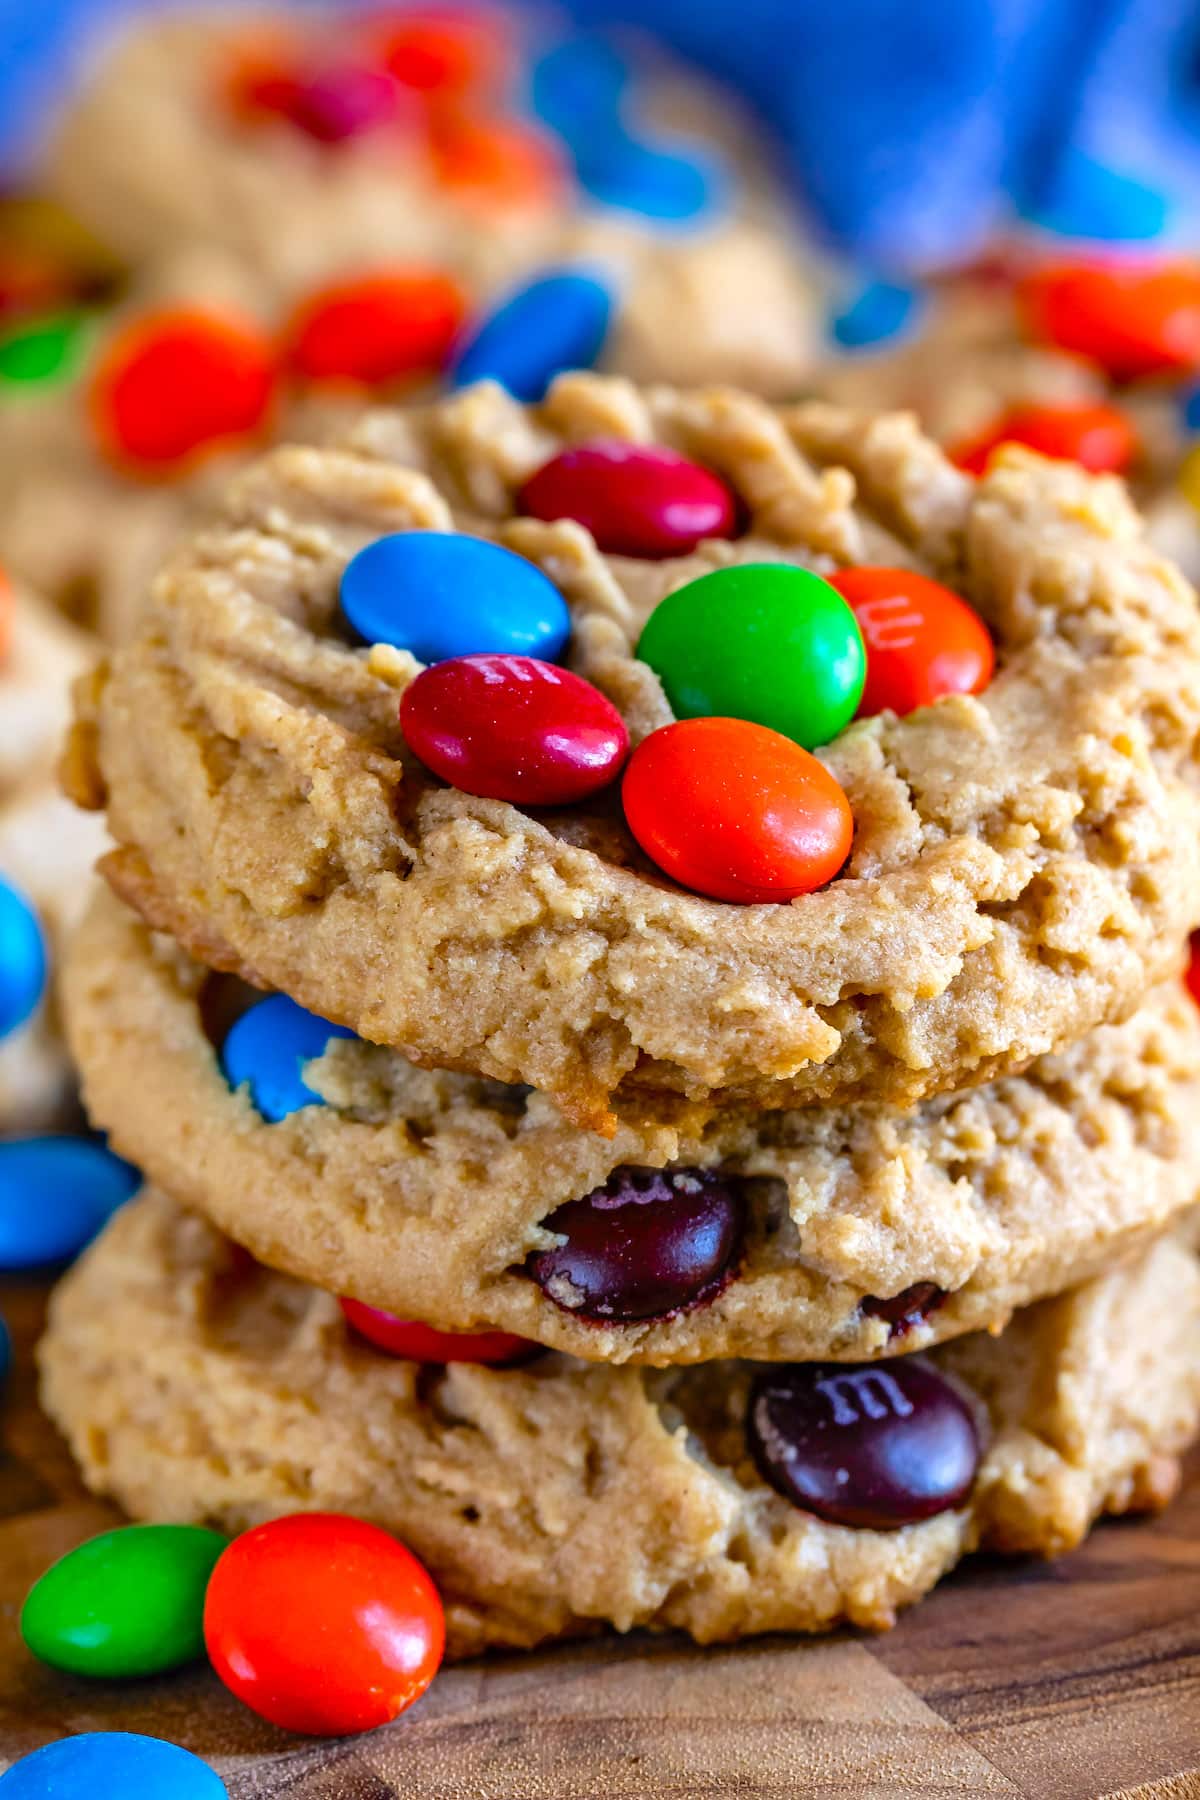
{"x": 178, "y": 382}
{"x": 1093, "y": 434}
{"x": 421, "y": 1343}
{"x": 442, "y": 52}
{"x": 514, "y": 728}
{"x": 635, "y": 499}
{"x": 323, "y": 1624}
{"x": 736, "y": 811}
{"x": 379, "y": 328}
{"x": 1132, "y": 318}
{"x": 922, "y": 640}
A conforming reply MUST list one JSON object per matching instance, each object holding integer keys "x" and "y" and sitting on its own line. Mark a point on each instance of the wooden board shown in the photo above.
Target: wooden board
{"x": 1064, "y": 1681}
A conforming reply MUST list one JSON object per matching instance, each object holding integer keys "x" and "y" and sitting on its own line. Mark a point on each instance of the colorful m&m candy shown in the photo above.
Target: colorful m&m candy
{"x": 268, "y": 1047}
{"x": 377, "y": 329}
{"x": 56, "y": 1193}
{"x": 323, "y": 1624}
{"x": 635, "y": 499}
{"x": 736, "y": 812}
{"x": 922, "y": 640}
{"x": 559, "y": 321}
{"x": 442, "y": 594}
{"x": 22, "y": 947}
{"x": 1132, "y": 318}
{"x": 1093, "y": 434}
{"x": 513, "y": 728}
{"x": 409, "y": 1339}
{"x": 768, "y": 642}
{"x": 102, "y": 1765}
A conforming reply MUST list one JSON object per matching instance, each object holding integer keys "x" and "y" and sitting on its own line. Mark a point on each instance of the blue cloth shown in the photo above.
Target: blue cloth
{"x": 909, "y": 128}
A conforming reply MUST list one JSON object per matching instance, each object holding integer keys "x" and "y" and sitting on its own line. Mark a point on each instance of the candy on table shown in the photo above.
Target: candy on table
{"x": 1094, "y": 434}
{"x": 1133, "y": 318}
{"x": 23, "y": 959}
{"x": 922, "y": 640}
{"x": 105, "y": 1764}
{"x": 443, "y": 594}
{"x": 766, "y": 642}
{"x": 874, "y": 1447}
{"x": 736, "y": 811}
{"x": 124, "y": 1604}
{"x": 322, "y": 1623}
{"x": 514, "y": 728}
{"x": 56, "y": 1193}
{"x": 635, "y": 499}
{"x": 647, "y": 1244}
{"x": 409, "y": 1339}
{"x": 559, "y": 320}
{"x": 267, "y": 1048}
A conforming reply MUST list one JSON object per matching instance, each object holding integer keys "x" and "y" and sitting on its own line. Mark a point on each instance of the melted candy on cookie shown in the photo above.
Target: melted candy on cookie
{"x": 643, "y": 1246}
{"x": 875, "y": 1447}
{"x": 922, "y": 641}
{"x": 635, "y": 499}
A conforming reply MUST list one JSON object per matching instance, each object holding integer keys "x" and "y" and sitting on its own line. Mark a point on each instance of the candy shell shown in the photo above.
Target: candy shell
{"x": 657, "y": 184}
{"x": 1097, "y": 436}
{"x": 922, "y": 640}
{"x": 559, "y": 321}
{"x": 323, "y": 1624}
{"x": 127, "y": 1603}
{"x": 442, "y": 594}
{"x": 111, "y": 1765}
{"x": 635, "y": 499}
{"x": 56, "y": 1193}
{"x": 495, "y": 163}
{"x": 878, "y": 311}
{"x": 768, "y": 642}
{"x": 268, "y": 1047}
{"x": 22, "y": 959}
{"x": 415, "y": 1342}
{"x": 1132, "y": 318}
{"x": 43, "y": 351}
{"x": 377, "y": 329}
{"x": 339, "y": 103}
{"x": 513, "y": 728}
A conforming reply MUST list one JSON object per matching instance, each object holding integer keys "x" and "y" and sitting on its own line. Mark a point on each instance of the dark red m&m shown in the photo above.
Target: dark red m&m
{"x": 514, "y": 728}
{"x": 647, "y": 1244}
{"x": 635, "y": 499}
{"x": 873, "y": 1446}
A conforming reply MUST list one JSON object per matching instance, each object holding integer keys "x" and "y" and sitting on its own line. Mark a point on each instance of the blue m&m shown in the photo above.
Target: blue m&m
{"x": 22, "y": 959}
{"x": 442, "y": 594}
{"x": 559, "y": 321}
{"x": 267, "y": 1049}
{"x": 56, "y": 1193}
{"x": 111, "y": 1765}
{"x": 875, "y": 312}
{"x": 667, "y": 185}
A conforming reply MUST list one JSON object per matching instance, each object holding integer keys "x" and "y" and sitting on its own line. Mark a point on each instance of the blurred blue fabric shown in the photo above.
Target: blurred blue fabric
{"x": 910, "y": 128}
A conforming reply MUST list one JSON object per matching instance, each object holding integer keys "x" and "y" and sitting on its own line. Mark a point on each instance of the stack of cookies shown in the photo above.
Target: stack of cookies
{"x": 641, "y": 965}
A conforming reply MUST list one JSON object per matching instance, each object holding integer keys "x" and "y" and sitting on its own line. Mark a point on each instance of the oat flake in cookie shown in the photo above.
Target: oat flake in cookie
{"x": 551, "y": 1500}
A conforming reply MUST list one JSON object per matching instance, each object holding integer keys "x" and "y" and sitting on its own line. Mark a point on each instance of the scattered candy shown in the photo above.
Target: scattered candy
{"x": 922, "y": 640}
{"x": 1096, "y": 435}
{"x": 1132, "y": 318}
{"x": 560, "y": 321}
{"x": 442, "y": 53}
{"x": 46, "y": 350}
{"x": 421, "y": 1343}
{"x": 768, "y": 642}
{"x": 105, "y": 1765}
{"x": 323, "y": 1624}
{"x": 56, "y": 1193}
{"x": 442, "y": 594}
{"x": 268, "y": 1047}
{"x": 878, "y": 311}
{"x": 23, "y": 961}
{"x": 127, "y": 1603}
{"x": 653, "y": 182}
{"x": 576, "y": 88}
{"x": 1087, "y": 199}
{"x": 645, "y": 1245}
{"x": 874, "y": 1447}
{"x": 378, "y": 329}
{"x": 735, "y": 811}
{"x": 179, "y": 381}
{"x": 909, "y": 1308}
{"x": 635, "y": 499}
{"x": 495, "y": 162}
{"x": 513, "y": 728}
{"x": 339, "y": 103}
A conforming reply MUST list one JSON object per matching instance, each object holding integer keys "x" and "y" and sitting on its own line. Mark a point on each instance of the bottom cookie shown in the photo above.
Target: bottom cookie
{"x": 555, "y": 1498}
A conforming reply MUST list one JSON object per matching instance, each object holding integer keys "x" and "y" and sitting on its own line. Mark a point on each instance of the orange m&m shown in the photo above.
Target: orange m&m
{"x": 179, "y": 382}
{"x": 442, "y": 52}
{"x": 922, "y": 641}
{"x": 1133, "y": 319}
{"x": 377, "y": 329}
{"x": 736, "y": 811}
{"x": 1097, "y": 436}
{"x": 495, "y": 161}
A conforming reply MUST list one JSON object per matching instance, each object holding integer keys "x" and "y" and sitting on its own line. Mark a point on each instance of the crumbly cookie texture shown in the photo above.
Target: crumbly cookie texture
{"x": 551, "y": 1500}
{"x": 1025, "y": 862}
{"x": 145, "y": 157}
{"x": 423, "y": 1193}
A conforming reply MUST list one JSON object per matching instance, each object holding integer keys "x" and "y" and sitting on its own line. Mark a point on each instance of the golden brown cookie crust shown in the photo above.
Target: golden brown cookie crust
{"x": 555, "y": 1499}
{"x": 1025, "y": 862}
{"x": 423, "y": 1192}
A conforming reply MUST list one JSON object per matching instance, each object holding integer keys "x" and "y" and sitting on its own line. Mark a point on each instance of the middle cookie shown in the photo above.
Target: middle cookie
{"x": 813, "y": 1234}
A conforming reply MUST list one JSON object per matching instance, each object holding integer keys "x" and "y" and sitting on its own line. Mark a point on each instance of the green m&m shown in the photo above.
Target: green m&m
{"x": 129, "y": 1602}
{"x": 47, "y": 350}
{"x": 768, "y": 642}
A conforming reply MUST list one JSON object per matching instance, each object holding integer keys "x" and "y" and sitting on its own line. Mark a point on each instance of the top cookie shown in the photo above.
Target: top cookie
{"x": 1024, "y": 859}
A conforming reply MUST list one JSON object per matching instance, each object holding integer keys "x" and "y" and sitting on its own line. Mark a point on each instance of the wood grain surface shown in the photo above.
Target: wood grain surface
{"x": 1067, "y": 1680}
